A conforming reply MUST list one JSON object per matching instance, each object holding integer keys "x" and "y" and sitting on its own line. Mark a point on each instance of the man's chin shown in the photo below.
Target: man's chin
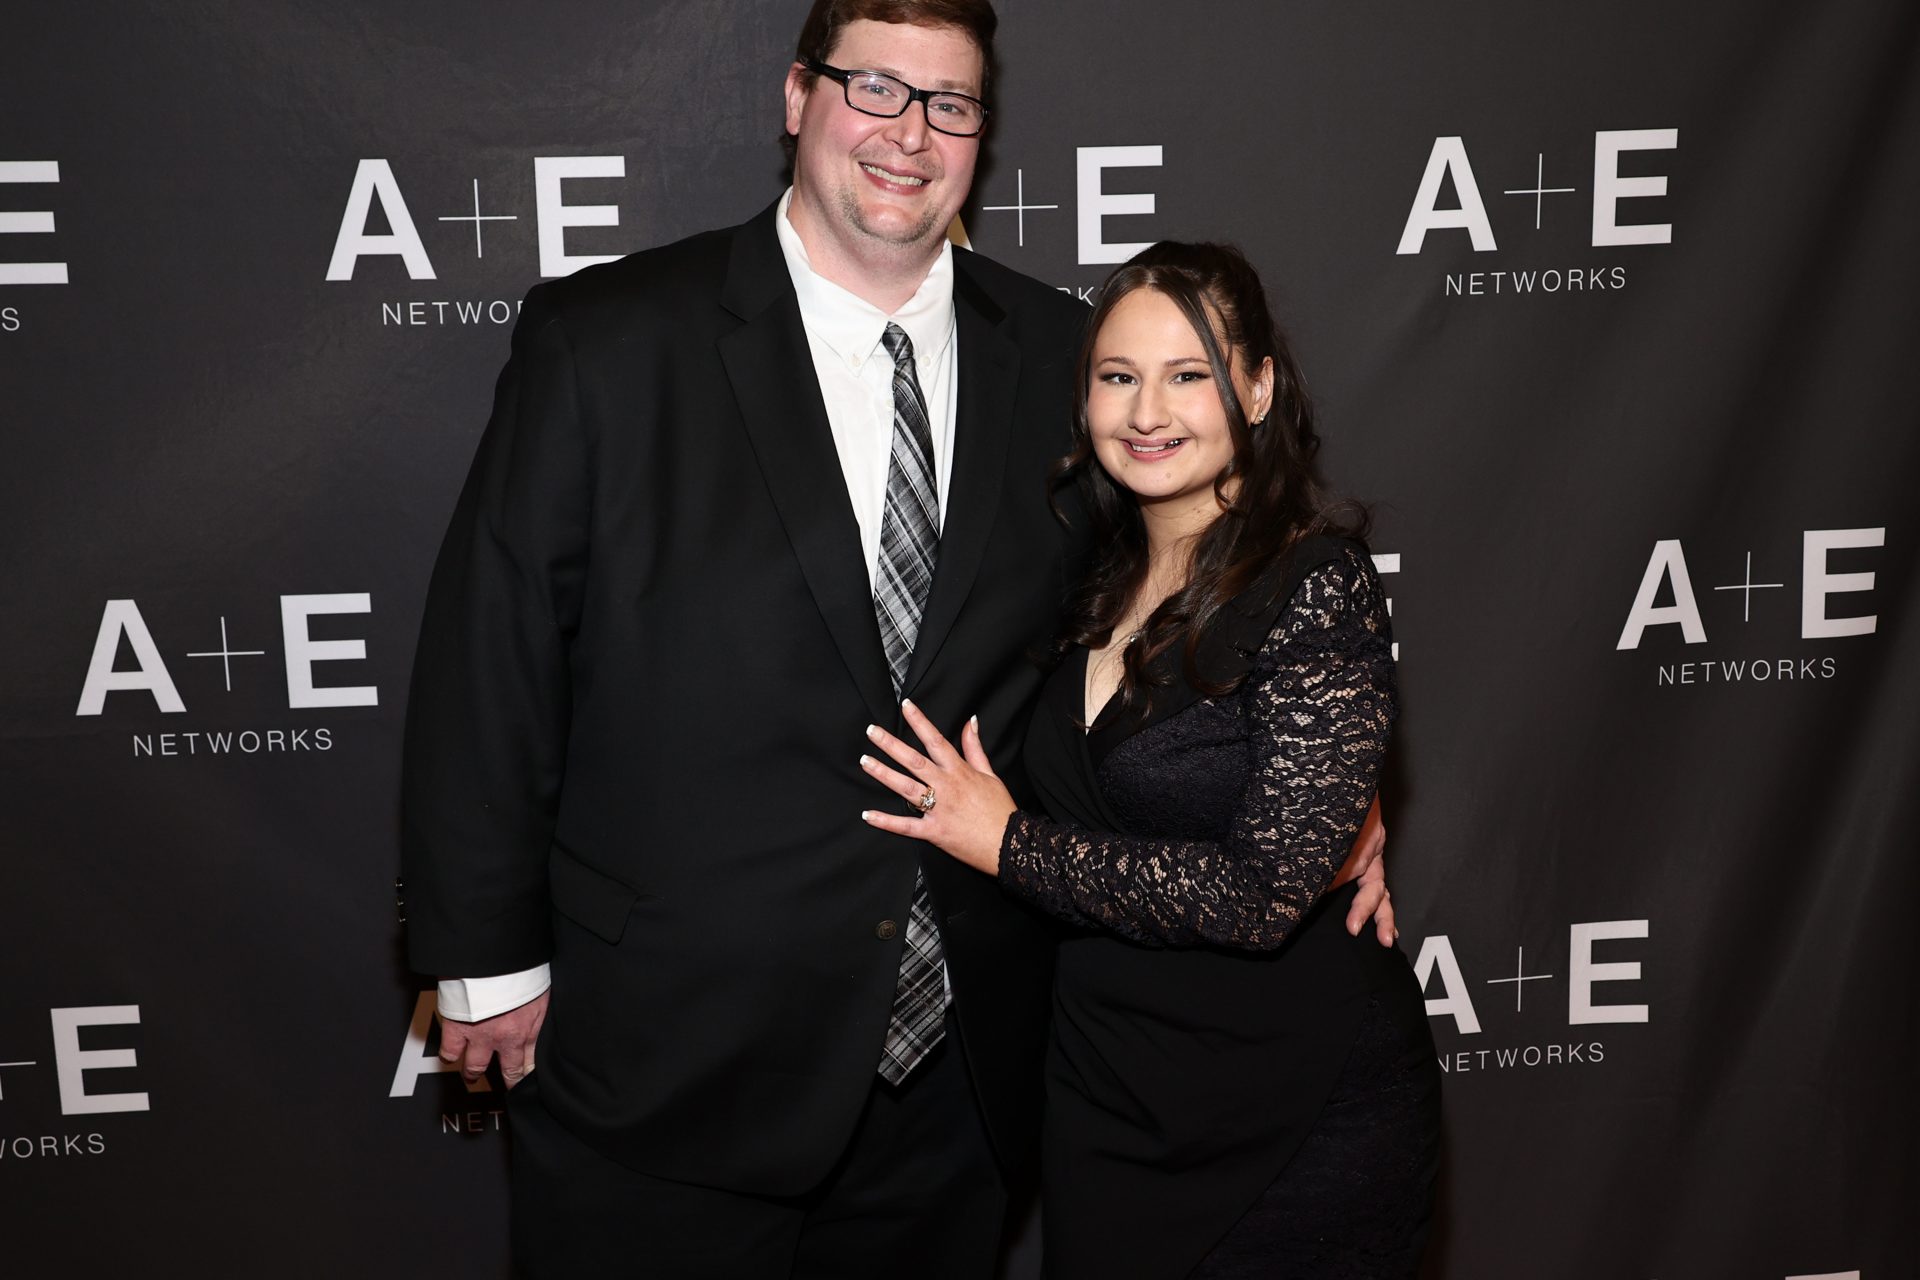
{"x": 897, "y": 228}
{"x": 908, "y": 244}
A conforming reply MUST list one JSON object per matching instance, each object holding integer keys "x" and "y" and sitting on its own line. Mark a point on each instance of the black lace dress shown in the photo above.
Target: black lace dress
{"x": 1236, "y": 1086}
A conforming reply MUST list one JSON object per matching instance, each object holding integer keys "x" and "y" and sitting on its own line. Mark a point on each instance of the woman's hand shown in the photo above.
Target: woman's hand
{"x": 970, "y": 805}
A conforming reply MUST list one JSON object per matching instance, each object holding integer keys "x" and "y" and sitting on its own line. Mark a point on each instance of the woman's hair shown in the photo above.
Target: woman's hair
{"x": 1276, "y": 497}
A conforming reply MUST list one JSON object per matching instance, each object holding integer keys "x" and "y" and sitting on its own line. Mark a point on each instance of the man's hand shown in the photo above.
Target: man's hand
{"x": 510, "y": 1034}
{"x": 1367, "y": 865}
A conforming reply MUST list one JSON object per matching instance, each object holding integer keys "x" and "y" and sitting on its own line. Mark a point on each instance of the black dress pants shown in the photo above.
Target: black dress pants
{"x": 916, "y": 1193}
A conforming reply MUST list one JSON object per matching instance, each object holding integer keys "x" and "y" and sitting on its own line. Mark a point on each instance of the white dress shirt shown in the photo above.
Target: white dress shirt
{"x": 855, "y": 374}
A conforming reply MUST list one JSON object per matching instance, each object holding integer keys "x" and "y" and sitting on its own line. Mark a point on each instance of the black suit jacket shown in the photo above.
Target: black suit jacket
{"x": 647, "y": 659}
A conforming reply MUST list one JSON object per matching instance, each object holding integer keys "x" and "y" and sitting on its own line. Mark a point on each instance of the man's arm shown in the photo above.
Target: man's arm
{"x": 488, "y": 712}
{"x": 477, "y": 999}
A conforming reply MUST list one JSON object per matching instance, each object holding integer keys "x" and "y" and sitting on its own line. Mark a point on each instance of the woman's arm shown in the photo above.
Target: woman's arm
{"x": 1321, "y": 705}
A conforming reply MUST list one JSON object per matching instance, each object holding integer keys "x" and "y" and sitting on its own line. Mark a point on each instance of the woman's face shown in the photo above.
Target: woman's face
{"x": 1154, "y": 411}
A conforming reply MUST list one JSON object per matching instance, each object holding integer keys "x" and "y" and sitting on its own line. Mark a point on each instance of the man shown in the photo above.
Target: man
{"x": 738, "y": 497}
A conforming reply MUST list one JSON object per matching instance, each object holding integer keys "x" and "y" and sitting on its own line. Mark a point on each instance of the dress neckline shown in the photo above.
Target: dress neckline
{"x": 1226, "y": 651}
{"x": 1089, "y": 717}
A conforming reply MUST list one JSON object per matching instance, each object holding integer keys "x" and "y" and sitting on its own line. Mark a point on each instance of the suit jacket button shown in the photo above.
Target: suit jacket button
{"x": 885, "y": 930}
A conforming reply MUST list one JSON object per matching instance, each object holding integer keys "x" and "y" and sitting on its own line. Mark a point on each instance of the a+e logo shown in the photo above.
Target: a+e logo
{"x": 1448, "y": 159}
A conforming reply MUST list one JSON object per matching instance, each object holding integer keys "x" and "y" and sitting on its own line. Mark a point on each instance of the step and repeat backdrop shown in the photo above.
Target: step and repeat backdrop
{"x": 1611, "y": 310}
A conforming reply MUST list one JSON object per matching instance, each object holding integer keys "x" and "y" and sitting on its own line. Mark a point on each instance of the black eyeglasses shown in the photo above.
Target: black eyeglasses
{"x": 878, "y": 94}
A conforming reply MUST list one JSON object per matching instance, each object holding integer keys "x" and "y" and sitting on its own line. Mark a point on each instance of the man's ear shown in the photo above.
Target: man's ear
{"x": 796, "y": 90}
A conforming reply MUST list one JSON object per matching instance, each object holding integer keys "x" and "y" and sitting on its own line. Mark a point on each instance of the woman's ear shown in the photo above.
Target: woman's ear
{"x": 1262, "y": 389}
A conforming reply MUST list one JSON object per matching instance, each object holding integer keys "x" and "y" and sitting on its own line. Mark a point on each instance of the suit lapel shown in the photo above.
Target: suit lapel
{"x": 988, "y": 373}
{"x": 772, "y": 375}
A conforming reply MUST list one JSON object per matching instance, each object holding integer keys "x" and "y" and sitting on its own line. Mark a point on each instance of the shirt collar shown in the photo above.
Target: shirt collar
{"x": 850, "y": 325}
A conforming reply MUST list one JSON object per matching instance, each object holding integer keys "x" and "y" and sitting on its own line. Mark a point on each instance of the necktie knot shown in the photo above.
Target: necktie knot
{"x": 898, "y": 345}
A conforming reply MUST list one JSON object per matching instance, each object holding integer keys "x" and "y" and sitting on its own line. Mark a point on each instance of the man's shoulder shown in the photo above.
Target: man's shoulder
{"x": 667, "y": 280}
{"x": 1016, "y": 292}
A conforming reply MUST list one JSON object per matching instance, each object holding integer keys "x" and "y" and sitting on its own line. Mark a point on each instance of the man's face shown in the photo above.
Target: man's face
{"x": 883, "y": 187}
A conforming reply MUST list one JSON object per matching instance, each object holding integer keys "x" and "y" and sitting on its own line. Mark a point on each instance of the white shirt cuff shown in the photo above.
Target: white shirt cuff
{"x": 475, "y": 999}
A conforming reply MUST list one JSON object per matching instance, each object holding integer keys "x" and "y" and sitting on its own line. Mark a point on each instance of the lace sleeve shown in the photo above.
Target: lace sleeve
{"x": 1319, "y": 705}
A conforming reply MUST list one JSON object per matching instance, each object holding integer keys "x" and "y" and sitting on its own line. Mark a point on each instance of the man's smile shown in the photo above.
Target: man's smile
{"x": 888, "y": 177}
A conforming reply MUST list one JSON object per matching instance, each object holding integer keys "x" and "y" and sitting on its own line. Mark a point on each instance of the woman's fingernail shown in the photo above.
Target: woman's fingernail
{"x": 866, "y": 815}
{"x": 906, "y": 704}
{"x": 974, "y": 720}
{"x": 872, "y": 729}
{"x": 865, "y": 761}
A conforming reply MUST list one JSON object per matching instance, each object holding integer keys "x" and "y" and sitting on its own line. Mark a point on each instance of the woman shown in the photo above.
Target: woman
{"x": 1237, "y": 1086}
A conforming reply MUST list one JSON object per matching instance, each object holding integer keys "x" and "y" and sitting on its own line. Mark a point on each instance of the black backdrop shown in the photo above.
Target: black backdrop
{"x": 1608, "y": 307}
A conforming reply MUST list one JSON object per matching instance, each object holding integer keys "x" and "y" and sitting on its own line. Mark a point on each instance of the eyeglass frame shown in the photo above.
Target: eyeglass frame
{"x": 922, "y": 96}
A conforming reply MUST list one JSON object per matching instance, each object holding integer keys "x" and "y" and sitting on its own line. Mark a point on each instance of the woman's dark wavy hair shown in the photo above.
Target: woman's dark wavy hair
{"x": 1279, "y": 497}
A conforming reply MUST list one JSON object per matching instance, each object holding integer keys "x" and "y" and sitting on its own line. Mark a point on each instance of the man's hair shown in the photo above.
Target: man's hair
{"x": 828, "y": 18}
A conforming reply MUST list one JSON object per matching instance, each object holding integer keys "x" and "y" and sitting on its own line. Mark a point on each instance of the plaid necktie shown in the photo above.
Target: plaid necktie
{"x": 909, "y": 540}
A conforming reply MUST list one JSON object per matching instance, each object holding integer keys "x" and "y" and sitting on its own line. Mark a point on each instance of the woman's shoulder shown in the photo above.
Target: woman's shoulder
{"x": 1322, "y": 590}
{"x": 1322, "y": 558}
